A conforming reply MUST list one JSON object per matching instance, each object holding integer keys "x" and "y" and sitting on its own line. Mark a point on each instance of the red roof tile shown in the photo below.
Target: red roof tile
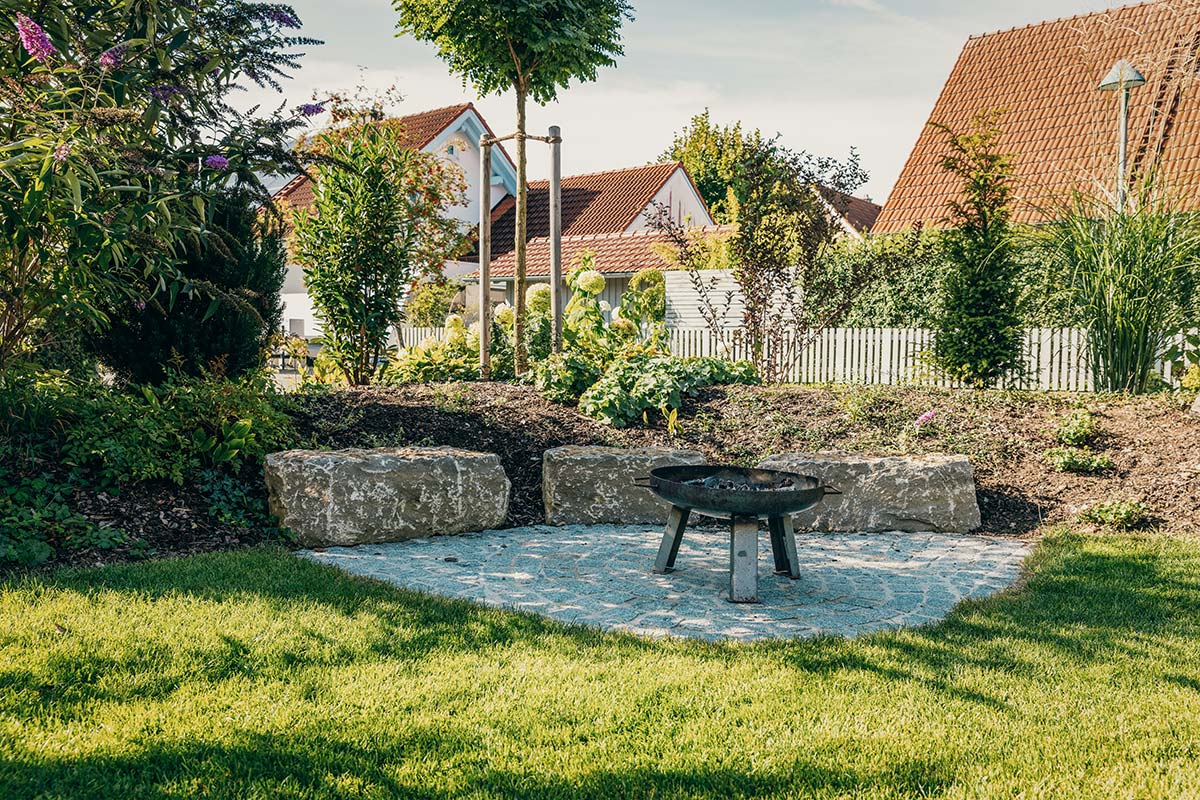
{"x": 599, "y": 203}
{"x": 858, "y": 212}
{"x": 616, "y": 253}
{"x": 1061, "y": 131}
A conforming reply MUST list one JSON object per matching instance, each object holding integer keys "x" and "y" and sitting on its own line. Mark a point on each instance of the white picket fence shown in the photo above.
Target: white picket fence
{"x": 1055, "y": 358}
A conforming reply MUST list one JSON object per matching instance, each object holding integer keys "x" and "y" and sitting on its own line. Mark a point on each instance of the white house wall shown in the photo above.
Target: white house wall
{"x": 679, "y": 195}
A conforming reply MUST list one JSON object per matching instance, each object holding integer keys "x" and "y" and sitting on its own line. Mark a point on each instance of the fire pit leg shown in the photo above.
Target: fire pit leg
{"x": 787, "y": 537}
{"x": 778, "y": 550}
{"x": 671, "y": 540}
{"x": 743, "y": 561}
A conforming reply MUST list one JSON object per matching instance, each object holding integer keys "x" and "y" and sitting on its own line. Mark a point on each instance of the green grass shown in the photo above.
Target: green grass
{"x": 255, "y": 675}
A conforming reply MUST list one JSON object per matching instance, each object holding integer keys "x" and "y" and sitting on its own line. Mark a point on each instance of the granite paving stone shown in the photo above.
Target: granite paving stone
{"x": 600, "y": 575}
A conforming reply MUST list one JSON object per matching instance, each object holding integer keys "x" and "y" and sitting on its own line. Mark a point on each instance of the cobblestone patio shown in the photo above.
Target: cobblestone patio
{"x": 601, "y": 576}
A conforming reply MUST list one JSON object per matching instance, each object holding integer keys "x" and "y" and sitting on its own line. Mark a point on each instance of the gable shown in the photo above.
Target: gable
{"x": 1061, "y": 131}
{"x": 593, "y": 204}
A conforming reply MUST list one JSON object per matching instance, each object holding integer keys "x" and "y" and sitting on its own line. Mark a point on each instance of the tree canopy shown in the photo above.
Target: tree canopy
{"x": 714, "y": 156}
{"x": 537, "y": 46}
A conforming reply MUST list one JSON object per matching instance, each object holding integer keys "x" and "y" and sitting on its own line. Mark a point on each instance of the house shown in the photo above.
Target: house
{"x": 608, "y": 213}
{"x": 451, "y": 133}
{"x": 1061, "y": 131}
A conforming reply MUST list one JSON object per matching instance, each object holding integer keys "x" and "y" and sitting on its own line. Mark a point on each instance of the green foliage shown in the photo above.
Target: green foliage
{"x": 1190, "y": 381}
{"x": 1129, "y": 277}
{"x": 910, "y": 269}
{"x": 636, "y": 384}
{"x": 1078, "y": 430}
{"x": 430, "y": 302}
{"x": 535, "y": 47}
{"x": 979, "y": 322}
{"x": 375, "y": 226}
{"x": 1079, "y": 460}
{"x": 715, "y": 156}
{"x": 644, "y": 302}
{"x": 226, "y": 323}
{"x": 104, "y": 129}
{"x": 1123, "y": 515}
{"x": 61, "y": 436}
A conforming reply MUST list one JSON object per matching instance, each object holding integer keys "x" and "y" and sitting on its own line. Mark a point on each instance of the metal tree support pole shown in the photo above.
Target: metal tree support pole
{"x": 485, "y": 256}
{"x": 556, "y": 276}
{"x": 1122, "y": 166}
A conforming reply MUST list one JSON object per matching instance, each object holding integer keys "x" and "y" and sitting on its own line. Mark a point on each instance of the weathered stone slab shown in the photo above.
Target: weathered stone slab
{"x": 594, "y": 485}
{"x": 1196, "y": 407}
{"x": 349, "y": 497}
{"x": 933, "y": 493}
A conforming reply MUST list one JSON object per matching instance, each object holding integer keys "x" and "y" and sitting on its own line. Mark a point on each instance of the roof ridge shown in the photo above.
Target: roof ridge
{"x": 615, "y": 171}
{"x": 644, "y": 233}
{"x": 1070, "y": 18}
{"x": 456, "y": 106}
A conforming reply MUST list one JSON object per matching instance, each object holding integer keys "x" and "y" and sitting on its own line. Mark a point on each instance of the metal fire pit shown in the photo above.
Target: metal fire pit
{"x": 743, "y": 496}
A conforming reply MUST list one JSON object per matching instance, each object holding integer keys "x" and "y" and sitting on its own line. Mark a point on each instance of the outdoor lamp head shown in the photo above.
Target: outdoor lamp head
{"x": 1122, "y": 76}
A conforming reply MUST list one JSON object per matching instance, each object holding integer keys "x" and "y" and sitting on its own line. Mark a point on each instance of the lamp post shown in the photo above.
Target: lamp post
{"x": 1123, "y": 78}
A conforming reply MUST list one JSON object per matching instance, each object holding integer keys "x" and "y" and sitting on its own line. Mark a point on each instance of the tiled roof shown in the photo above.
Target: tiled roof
{"x": 602, "y": 202}
{"x": 858, "y": 212}
{"x": 420, "y": 129}
{"x": 616, "y": 253}
{"x": 1061, "y": 131}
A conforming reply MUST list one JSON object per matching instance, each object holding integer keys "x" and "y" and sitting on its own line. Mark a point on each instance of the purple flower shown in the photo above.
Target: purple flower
{"x": 62, "y": 152}
{"x": 925, "y": 418}
{"x": 112, "y": 58}
{"x": 283, "y": 18}
{"x": 312, "y": 109}
{"x": 216, "y": 162}
{"x": 164, "y": 93}
{"x": 34, "y": 39}
{"x": 140, "y": 305}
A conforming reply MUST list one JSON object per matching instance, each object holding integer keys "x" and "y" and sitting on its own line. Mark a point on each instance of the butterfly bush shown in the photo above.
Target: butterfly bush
{"x": 34, "y": 39}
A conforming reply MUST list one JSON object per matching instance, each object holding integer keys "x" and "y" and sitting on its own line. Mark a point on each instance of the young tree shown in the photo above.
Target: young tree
{"x": 377, "y": 223}
{"x": 979, "y": 325}
{"x": 533, "y": 47}
{"x": 110, "y": 114}
{"x": 784, "y": 228}
{"x": 240, "y": 262}
{"x": 714, "y": 156}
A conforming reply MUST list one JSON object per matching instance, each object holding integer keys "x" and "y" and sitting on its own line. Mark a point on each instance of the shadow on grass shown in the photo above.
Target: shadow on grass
{"x": 311, "y": 764}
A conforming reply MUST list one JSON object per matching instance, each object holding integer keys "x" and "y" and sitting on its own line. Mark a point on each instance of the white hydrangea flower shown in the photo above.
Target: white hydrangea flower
{"x": 605, "y": 305}
{"x": 591, "y": 282}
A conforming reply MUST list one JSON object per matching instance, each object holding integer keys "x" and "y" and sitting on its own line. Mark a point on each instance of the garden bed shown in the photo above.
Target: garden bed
{"x": 1154, "y": 445}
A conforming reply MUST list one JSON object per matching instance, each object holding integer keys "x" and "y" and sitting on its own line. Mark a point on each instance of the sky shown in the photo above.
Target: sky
{"x": 826, "y": 75}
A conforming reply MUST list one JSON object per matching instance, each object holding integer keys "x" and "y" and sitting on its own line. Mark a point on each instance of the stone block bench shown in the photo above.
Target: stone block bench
{"x": 594, "y": 485}
{"x": 349, "y": 497}
{"x": 894, "y": 493}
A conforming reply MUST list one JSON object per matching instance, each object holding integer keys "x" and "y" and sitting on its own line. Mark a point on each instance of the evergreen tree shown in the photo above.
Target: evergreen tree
{"x": 240, "y": 260}
{"x": 979, "y": 325}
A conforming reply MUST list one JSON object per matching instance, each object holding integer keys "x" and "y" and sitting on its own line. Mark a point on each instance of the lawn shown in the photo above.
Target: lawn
{"x": 255, "y": 674}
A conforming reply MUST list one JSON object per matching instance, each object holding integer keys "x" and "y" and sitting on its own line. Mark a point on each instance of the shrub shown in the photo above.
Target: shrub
{"x": 431, "y": 302}
{"x": 633, "y": 386}
{"x": 979, "y": 325}
{"x": 222, "y": 326}
{"x": 1078, "y": 430}
{"x": 60, "y": 436}
{"x": 1120, "y": 514}
{"x": 1078, "y": 460}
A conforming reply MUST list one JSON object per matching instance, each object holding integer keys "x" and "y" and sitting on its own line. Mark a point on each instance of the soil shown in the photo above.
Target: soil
{"x": 1154, "y": 445}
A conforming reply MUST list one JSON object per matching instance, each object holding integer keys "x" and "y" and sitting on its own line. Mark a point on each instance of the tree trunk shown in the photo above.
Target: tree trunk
{"x": 520, "y": 357}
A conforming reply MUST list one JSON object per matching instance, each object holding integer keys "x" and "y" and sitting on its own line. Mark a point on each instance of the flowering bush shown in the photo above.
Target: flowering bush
{"x": 105, "y": 122}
